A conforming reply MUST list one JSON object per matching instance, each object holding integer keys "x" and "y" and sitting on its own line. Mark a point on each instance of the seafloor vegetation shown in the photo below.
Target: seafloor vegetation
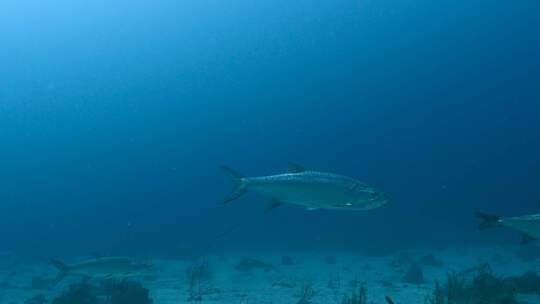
{"x": 107, "y": 292}
{"x": 484, "y": 287}
{"x": 401, "y": 278}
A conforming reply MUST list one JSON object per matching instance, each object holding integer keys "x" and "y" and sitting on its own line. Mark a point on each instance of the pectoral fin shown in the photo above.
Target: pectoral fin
{"x": 273, "y": 205}
{"x": 63, "y": 270}
{"x": 526, "y": 239}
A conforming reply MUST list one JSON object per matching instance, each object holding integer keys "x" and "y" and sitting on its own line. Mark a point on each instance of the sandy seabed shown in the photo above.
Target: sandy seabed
{"x": 330, "y": 274}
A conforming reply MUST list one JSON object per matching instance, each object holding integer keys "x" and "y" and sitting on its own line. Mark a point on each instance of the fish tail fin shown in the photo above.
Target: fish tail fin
{"x": 488, "y": 220}
{"x": 62, "y": 270}
{"x": 240, "y": 185}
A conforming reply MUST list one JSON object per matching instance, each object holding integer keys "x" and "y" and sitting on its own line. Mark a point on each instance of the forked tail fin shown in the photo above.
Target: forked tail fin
{"x": 488, "y": 220}
{"x": 62, "y": 270}
{"x": 240, "y": 187}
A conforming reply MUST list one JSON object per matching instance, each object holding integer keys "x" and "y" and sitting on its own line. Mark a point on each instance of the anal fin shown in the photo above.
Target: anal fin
{"x": 273, "y": 205}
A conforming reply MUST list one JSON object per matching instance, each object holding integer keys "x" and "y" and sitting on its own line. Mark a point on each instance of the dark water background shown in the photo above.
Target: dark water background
{"x": 115, "y": 117}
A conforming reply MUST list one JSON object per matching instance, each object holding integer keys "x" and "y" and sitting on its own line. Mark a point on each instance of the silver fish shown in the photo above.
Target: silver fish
{"x": 528, "y": 225}
{"x": 100, "y": 267}
{"x": 311, "y": 189}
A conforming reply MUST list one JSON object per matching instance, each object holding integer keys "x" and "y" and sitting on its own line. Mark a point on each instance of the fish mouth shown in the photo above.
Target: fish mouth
{"x": 383, "y": 201}
{"x": 367, "y": 205}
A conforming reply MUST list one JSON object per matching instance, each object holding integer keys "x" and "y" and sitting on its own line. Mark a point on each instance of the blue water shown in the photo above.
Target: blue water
{"x": 116, "y": 115}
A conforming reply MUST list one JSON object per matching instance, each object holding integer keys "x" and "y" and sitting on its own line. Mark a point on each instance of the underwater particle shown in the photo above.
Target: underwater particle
{"x": 310, "y": 189}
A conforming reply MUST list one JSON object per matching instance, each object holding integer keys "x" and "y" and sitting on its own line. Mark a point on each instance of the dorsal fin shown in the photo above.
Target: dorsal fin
{"x": 232, "y": 172}
{"x": 296, "y": 168}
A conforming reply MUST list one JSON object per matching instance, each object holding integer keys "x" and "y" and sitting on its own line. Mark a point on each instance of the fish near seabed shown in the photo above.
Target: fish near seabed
{"x": 100, "y": 267}
{"x": 528, "y": 225}
{"x": 311, "y": 189}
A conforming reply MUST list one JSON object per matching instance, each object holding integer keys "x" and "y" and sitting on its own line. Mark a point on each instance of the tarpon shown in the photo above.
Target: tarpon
{"x": 528, "y": 225}
{"x": 311, "y": 189}
{"x": 100, "y": 267}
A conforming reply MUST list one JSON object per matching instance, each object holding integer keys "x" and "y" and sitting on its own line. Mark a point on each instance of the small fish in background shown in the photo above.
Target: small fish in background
{"x": 528, "y": 225}
{"x": 311, "y": 189}
{"x": 100, "y": 267}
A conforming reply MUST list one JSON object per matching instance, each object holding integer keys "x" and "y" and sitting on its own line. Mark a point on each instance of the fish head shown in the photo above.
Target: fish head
{"x": 365, "y": 198}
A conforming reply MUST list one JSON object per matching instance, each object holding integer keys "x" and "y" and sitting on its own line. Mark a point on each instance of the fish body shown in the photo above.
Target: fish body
{"x": 100, "y": 267}
{"x": 528, "y": 225}
{"x": 310, "y": 189}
